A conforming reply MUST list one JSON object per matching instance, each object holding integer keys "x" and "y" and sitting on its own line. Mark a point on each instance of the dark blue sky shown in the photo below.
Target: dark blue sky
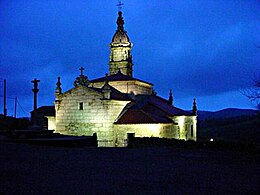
{"x": 197, "y": 48}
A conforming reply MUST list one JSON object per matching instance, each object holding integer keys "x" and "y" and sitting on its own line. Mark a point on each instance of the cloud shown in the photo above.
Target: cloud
{"x": 196, "y": 48}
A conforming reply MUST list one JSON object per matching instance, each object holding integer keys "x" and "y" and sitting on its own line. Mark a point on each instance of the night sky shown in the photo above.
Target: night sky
{"x": 197, "y": 48}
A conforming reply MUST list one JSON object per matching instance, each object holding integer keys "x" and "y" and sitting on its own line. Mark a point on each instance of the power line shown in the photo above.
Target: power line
{"x": 8, "y": 97}
{"x": 17, "y": 103}
{"x": 21, "y": 107}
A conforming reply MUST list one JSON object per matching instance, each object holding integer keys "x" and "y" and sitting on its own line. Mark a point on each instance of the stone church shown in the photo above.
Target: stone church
{"x": 117, "y": 105}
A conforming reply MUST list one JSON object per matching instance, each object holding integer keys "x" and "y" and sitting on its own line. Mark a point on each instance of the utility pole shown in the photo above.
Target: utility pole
{"x": 5, "y": 110}
{"x": 15, "y": 106}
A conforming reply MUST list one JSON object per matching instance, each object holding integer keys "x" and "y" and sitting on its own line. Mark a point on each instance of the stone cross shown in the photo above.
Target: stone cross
{"x": 81, "y": 70}
{"x": 35, "y": 91}
{"x": 35, "y": 84}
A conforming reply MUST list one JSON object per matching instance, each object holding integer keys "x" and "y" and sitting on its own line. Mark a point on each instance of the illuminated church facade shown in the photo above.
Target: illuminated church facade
{"x": 118, "y": 104}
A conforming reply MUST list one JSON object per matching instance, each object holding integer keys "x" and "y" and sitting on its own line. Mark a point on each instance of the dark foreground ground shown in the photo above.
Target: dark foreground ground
{"x": 30, "y": 169}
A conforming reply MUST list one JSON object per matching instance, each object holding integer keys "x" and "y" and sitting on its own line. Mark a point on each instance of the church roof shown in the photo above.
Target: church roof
{"x": 150, "y": 109}
{"x": 120, "y": 36}
{"x": 164, "y": 106}
{"x": 115, "y": 94}
{"x": 138, "y": 116}
{"x": 45, "y": 110}
{"x": 117, "y": 77}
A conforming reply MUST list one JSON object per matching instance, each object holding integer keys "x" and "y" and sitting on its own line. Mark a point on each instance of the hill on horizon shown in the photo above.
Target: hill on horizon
{"x": 229, "y": 125}
{"x": 226, "y": 113}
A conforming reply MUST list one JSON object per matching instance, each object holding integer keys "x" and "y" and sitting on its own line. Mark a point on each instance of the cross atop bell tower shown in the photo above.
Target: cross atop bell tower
{"x": 119, "y": 5}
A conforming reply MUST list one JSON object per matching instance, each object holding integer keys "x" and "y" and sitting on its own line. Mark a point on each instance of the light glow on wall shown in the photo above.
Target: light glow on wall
{"x": 154, "y": 128}
{"x": 51, "y": 123}
{"x": 181, "y": 121}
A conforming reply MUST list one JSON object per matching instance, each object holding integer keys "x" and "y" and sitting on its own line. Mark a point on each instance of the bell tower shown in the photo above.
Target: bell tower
{"x": 120, "y": 50}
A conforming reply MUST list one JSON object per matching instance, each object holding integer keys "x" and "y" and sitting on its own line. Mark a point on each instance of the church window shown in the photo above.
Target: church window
{"x": 81, "y": 106}
{"x": 191, "y": 130}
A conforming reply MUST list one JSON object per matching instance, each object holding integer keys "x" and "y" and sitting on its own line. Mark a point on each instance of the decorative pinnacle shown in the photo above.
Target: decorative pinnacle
{"x": 58, "y": 86}
{"x": 106, "y": 88}
{"x": 58, "y": 82}
{"x": 194, "y": 102}
{"x": 106, "y": 79}
{"x": 119, "y": 5}
{"x": 170, "y": 98}
{"x": 120, "y": 22}
{"x": 194, "y": 108}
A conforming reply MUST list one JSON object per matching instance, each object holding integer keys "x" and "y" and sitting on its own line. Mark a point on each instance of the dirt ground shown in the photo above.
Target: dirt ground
{"x": 30, "y": 169}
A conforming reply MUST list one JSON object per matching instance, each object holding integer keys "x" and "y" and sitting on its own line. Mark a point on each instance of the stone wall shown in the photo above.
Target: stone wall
{"x": 145, "y": 130}
{"x": 124, "y": 66}
{"x": 186, "y": 124}
{"x": 187, "y": 127}
{"x": 135, "y": 87}
{"x": 96, "y": 116}
{"x": 51, "y": 122}
{"x": 120, "y": 59}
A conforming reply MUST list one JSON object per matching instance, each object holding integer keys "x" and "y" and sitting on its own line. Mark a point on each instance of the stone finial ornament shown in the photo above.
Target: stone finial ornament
{"x": 120, "y": 22}
{"x": 58, "y": 87}
{"x": 194, "y": 108}
{"x": 106, "y": 82}
{"x": 154, "y": 92}
{"x": 106, "y": 88}
{"x": 170, "y": 98}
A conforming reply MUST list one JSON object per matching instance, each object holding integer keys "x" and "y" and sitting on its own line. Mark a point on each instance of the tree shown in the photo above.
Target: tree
{"x": 254, "y": 93}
